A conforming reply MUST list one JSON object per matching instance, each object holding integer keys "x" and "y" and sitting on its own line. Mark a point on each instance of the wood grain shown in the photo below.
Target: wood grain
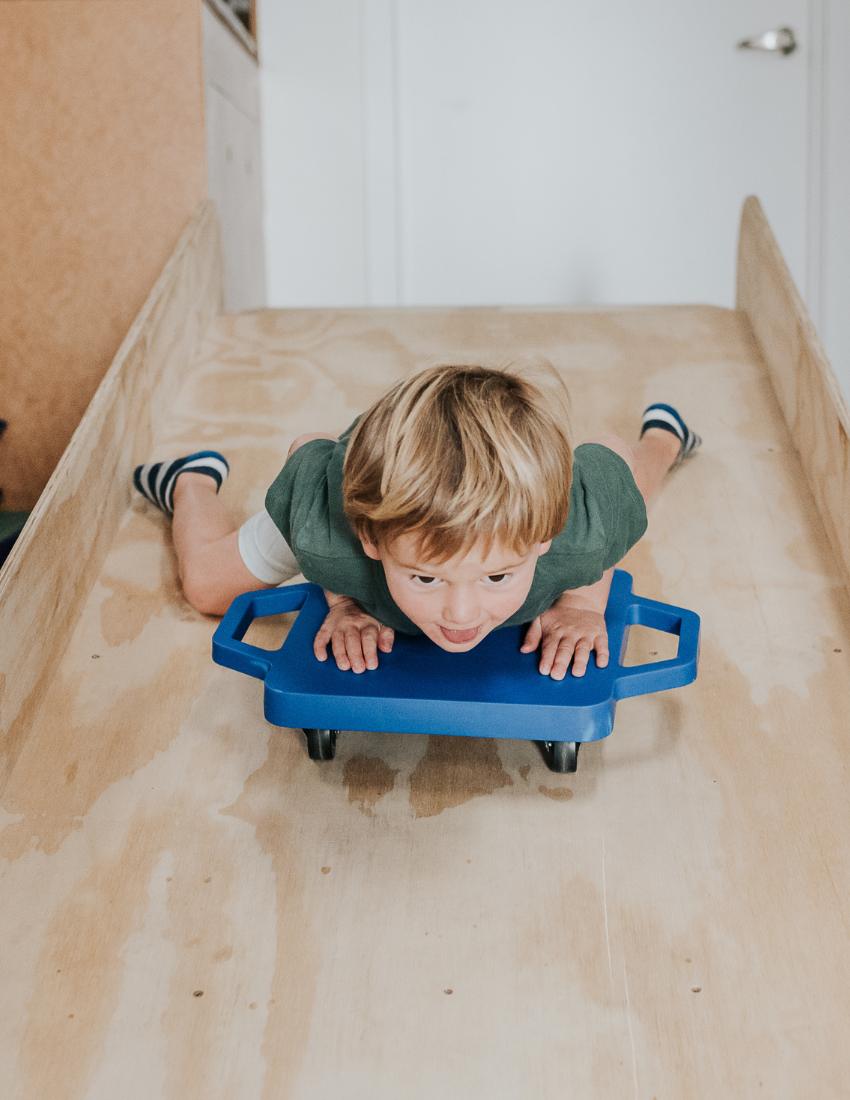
{"x": 50, "y": 572}
{"x": 193, "y": 910}
{"x": 805, "y": 384}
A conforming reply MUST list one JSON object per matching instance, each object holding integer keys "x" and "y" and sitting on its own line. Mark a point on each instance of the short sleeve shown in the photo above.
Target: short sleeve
{"x": 607, "y": 517}
{"x": 265, "y": 551}
{"x": 299, "y": 487}
{"x": 305, "y": 504}
{"x": 618, "y": 507}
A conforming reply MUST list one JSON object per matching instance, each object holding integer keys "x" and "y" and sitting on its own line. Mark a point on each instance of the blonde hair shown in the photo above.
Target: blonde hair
{"x": 462, "y": 455}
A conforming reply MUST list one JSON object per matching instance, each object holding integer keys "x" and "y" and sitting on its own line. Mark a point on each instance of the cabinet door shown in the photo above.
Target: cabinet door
{"x": 234, "y": 161}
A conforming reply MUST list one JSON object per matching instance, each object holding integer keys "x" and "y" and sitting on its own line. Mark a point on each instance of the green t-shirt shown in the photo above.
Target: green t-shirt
{"x": 607, "y": 516}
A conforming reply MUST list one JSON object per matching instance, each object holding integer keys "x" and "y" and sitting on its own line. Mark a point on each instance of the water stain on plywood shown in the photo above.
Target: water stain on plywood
{"x": 775, "y": 883}
{"x": 126, "y": 612}
{"x": 252, "y": 470}
{"x": 566, "y": 930}
{"x": 557, "y": 794}
{"x": 275, "y": 390}
{"x": 454, "y": 770}
{"x": 14, "y": 736}
{"x": 141, "y": 523}
{"x": 106, "y": 744}
{"x": 383, "y": 360}
{"x": 213, "y": 955}
{"x": 368, "y": 779}
{"x": 80, "y": 971}
{"x": 270, "y": 631}
{"x": 140, "y": 576}
{"x": 298, "y": 960}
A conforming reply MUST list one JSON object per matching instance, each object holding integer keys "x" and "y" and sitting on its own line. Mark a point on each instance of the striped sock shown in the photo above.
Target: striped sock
{"x": 666, "y": 418}
{"x": 155, "y": 481}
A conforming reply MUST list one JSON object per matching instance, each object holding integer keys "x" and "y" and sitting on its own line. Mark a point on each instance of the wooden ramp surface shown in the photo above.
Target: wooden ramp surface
{"x": 191, "y": 908}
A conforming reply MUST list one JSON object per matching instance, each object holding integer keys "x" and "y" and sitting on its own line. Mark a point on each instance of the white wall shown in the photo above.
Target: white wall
{"x": 832, "y": 309}
{"x": 397, "y": 135}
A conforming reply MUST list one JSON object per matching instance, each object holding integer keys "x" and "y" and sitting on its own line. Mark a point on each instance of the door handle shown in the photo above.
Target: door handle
{"x": 781, "y": 40}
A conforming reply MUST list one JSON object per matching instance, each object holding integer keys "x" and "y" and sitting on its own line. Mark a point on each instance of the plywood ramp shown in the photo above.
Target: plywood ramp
{"x": 57, "y": 559}
{"x": 191, "y": 908}
{"x": 805, "y": 384}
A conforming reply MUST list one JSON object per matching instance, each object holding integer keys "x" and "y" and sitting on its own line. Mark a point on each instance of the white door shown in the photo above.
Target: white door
{"x": 555, "y": 151}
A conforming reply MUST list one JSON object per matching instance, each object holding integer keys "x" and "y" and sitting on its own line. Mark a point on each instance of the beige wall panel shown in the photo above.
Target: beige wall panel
{"x": 56, "y": 560}
{"x": 803, "y": 378}
{"x": 103, "y": 162}
{"x": 193, "y": 910}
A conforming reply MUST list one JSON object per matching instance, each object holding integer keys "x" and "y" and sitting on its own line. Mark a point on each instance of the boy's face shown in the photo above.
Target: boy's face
{"x": 458, "y": 602}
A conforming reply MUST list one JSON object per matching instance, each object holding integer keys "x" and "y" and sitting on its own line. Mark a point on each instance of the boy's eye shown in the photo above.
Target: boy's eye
{"x": 424, "y": 580}
{"x": 497, "y": 577}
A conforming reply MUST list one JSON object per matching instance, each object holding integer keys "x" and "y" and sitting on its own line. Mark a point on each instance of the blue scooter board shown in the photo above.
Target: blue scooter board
{"x": 492, "y": 690}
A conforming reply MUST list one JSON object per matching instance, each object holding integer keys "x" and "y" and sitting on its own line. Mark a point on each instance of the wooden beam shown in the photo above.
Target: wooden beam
{"x": 805, "y": 384}
{"x": 56, "y": 560}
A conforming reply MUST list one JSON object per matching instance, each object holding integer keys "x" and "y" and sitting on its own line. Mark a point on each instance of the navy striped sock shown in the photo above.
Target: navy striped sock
{"x": 669, "y": 420}
{"x": 155, "y": 481}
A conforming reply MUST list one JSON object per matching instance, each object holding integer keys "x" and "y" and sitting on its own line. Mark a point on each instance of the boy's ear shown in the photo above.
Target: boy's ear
{"x": 370, "y": 549}
{"x": 544, "y": 547}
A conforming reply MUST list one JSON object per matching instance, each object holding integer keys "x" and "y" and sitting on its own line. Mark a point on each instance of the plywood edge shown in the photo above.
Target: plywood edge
{"x": 804, "y": 381}
{"x": 56, "y": 560}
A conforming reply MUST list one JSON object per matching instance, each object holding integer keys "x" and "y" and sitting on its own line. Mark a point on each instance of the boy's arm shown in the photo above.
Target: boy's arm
{"x": 354, "y": 635}
{"x": 308, "y": 437}
{"x": 571, "y": 629}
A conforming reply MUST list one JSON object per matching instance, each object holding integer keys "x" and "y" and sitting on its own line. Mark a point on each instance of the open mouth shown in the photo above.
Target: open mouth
{"x": 460, "y": 637}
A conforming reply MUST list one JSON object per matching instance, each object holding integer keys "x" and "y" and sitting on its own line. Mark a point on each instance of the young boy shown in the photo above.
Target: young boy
{"x": 454, "y": 506}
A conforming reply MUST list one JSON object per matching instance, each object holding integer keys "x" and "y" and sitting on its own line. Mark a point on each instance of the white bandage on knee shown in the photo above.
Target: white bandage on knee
{"x": 265, "y": 551}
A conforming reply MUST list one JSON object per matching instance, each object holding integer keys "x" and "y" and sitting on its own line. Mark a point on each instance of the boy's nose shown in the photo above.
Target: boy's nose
{"x": 461, "y": 607}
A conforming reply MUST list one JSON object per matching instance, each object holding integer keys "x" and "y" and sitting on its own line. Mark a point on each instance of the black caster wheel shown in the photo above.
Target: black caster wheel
{"x": 561, "y": 756}
{"x": 321, "y": 744}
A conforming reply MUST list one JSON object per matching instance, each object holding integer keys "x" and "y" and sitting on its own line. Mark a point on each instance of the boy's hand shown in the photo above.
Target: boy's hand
{"x": 354, "y": 635}
{"x": 568, "y": 634}
{"x": 572, "y": 628}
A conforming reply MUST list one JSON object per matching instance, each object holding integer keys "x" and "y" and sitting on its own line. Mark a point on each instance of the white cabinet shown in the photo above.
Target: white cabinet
{"x": 234, "y": 159}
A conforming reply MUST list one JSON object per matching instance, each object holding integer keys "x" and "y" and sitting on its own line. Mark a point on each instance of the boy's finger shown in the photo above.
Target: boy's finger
{"x": 580, "y": 659}
{"x": 386, "y": 637}
{"x": 339, "y": 652}
{"x": 354, "y": 648}
{"x": 561, "y": 660}
{"x": 532, "y": 637}
{"x": 320, "y": 645}
{"x": 552, "y": 646}
{"x": 369, "y": 642}
{"x": 602, "y": 651}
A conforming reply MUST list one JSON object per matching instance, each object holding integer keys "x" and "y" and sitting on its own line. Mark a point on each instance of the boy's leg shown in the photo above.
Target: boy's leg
{"x": 648, "y": 460}
{"x": 206, "y": 542}
{"x": 211, "y": 553}
{"x": 654, "y": 456}
{"x": 665, "y": 442}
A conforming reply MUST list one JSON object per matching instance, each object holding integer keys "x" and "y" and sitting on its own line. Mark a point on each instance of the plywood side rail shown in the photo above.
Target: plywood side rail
{"x": 56, "y": 560}
{"x": 805, "y": 384}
